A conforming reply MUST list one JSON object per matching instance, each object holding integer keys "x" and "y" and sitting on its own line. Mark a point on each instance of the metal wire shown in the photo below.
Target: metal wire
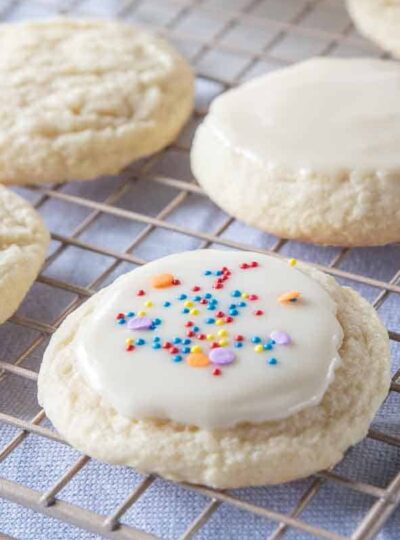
{"x": 385, "y": 499}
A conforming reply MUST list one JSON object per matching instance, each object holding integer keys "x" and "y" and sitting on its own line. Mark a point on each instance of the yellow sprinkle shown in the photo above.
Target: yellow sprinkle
{"x": 219, "y": 322}
{"x": 223, "y": 342}
{"x": 259, "y": 348}
{"x": 194, "y": 311}
{"x": 244, "y": 295}
{"x": 292, "y": 262}
{"x": 141, "y": 313}
{"x": 210, "y": 337}
{"x": 148, "y": 303}
{"x": 129, "y": 341}
{"x": 195, "y": 348}
{"x": 223, "y": 332}
{"x": 188, "y": 303}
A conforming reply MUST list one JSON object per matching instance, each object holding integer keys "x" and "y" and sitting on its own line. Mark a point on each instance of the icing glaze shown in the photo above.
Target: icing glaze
{"x": 323, "y": 114}
{"x": 217, "y": 347}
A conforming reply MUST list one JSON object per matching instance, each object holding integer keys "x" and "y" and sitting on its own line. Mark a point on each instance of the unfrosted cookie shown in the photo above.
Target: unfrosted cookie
{"x": 83, "y": 98}
{"x": 217, "y": 367}
{"x": 378, "y": 20}
{"x": 308, "y": 152}
{"x": 23, "y": 243}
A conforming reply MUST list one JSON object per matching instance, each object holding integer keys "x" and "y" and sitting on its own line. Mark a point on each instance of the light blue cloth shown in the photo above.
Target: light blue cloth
{"x": 166, "y": 509}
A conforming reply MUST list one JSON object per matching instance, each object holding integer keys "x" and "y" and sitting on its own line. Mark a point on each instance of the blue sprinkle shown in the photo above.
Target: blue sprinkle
{"x": 255, "y": 339}
{"x": 187, "y": 341}
{"x": 208, "y": 295}
{"x": 140, "y": 341}
{"x": 207, "y": 273}
{"x": 238, "y": 344}
{"x": 196, "y": 329}
{"x": 152, "y": 327}
{"x": 182, "y": 296}
{"x": 177, "y": 358}
{"x": 272, "y": 341}
{"x": 185, "y": 350}
{"x": 176, "y": 340}
{"x": 196, "y": 298}
{"x": 166, "y": 303}
{"x": 185, "y": 310}
{"x": 233, "y": 312}
{"x": 218, "y": 273}
{"x": 272, "y": 361}
{"x": 236, "y": 293}
{"x": 268, "y": 346}
{"x": 210, "y": 320}
{"x": 130, "y": 314}
{"x": 156, "y": 345}
{"x": 242, "y": 304}
{"x": 156, "y": 338}
{"x": 232, "y": 306}
{"x": 157, "y": 321}
{"x": 122, "y": 321}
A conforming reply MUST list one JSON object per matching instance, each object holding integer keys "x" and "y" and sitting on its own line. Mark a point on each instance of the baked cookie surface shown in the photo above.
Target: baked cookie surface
{"x": 378, "y": 20}
{"x": 23, "y": 244}
{"x": 85, "y": 98}
{"x": 206, "y": 367}
{"x": 316, "y": 159}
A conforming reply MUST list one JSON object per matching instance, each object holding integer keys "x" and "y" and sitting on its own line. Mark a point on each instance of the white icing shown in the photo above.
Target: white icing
{"x": 147, "y": 383}
{"x": 323, "y": 114}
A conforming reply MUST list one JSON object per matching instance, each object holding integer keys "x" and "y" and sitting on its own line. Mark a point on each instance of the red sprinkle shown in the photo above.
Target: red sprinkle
{"x": 225, "y": 269}
{"x": 216, "y": 371}
{"x": 239, "y": 338}
{"x": 167, "y": 345}
{"x": 258, "y": 312}
{"x": 218, "y": 286}
{"x": 220, "y": 314}
{"x": 140, "y": 292}
{"x": 188, "y": 324}
{"x": 196, "y": 288}
{"x": 243, "y": 266}
{"x": 130, "y": 347}
{"x": 204, "y": 301}
{"x": 190, "y": 333}
{"x": 253, "y": 297}
{"x": 254, "y": 264}
{"x": 120, "y": 316}
{"x": 176, "y": 282}
{"x": 201, "y": 336}
{"x": 173, "y": 350}
{"x": 214, "y": 345}
{"x": 228, "y": 319}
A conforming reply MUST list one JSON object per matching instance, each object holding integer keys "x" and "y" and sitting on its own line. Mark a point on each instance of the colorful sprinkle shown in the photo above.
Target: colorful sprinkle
{"x": 197, "y": 359}
{"x": 291, "y": 296}
{"x": 177, "y": 358}
{"x": 238, "y": 344}
{"x": 210, "y": 320}
{"x": 121, "y": 321}
{"x": 182, "y": 296}
{"x": 222, "y": 356}
{"x": 258, "y": 312}
{"x": 258, "y": 348}
{"x": 236, "y": 293}
{"x": 292, "y": 262}
{"x": 130, "y": 347}
{"x": 140, "y": 341}
{"x": 140, "y": 292}
{"x": 281, "y": 338}
{"x": 272, "y": 361}
{"x": 140, "y": 323}
{"x": 256, "y": 339}
{"x": 195, "y": 349}
{"x": 216, "y": 371}
{"x": 166, "y": 303}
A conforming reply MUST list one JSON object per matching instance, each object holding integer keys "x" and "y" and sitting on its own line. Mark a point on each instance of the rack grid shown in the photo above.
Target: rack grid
{"x": 226, "y": 42}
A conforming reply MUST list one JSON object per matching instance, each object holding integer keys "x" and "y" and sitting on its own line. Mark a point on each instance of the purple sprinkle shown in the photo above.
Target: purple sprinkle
{"x": 281, "y": 338}
{"x": 140, "y": 323}
{"x": 221, "y": 356}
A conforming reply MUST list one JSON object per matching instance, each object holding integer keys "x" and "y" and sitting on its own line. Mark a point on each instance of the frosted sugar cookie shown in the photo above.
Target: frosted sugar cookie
{"x": 378, "y": 20}
{"x": 23, "y": 243}
{"x": 217, "y": 367}
{"x": 308, "y": 152}
{"x": 83, "y": 98}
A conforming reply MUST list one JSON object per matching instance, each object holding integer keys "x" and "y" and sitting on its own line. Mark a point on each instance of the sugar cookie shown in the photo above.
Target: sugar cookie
{"x": 23, "y": 243}
{"x": 308, "y": 152}
{"x": 83, "y": 98}
{"x": 241, "y": 391}
{"x": 378, "y": 20}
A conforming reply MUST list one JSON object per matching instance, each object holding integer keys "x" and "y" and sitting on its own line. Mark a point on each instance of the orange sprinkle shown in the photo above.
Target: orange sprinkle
{"x": 197, "y": 359}
{"x": 160, "y": 281}
{"x": 291, "y": 296}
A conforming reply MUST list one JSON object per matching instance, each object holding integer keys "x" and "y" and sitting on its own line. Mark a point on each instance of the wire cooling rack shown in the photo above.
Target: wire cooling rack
{"x": 103, "y": 228}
